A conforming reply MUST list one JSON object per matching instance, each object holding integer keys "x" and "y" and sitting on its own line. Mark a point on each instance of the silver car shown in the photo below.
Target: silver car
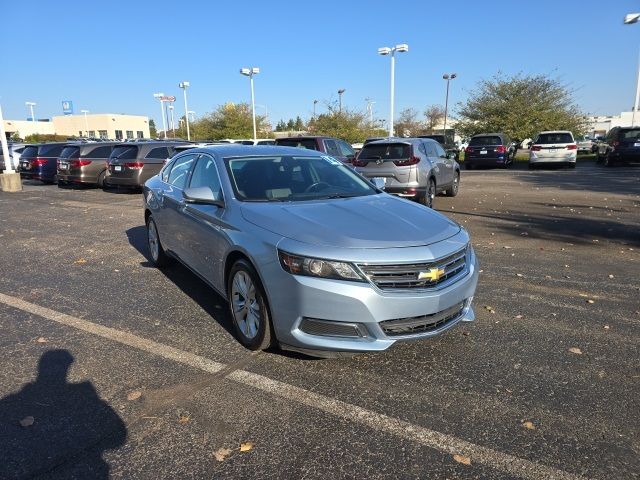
{"x": 310, "y": 256}
{"x": 416, "y": 168}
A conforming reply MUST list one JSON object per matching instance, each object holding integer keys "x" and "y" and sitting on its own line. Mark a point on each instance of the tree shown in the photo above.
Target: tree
{"x": 352, "y": 126}
{"x": 281, "y": 126}
{"x": 291, "y": 125}
{"x": 520, "y": 106}
{"x": 152, "y": 129}
{"x": 408, "y": 124}
{"x": 299, "y": 124}
{"x": 433, "y": 115}
{"x": 231, "y": 120}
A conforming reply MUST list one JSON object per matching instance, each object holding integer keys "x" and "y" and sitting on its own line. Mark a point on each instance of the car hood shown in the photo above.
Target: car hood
{"x": 373, "y": 221}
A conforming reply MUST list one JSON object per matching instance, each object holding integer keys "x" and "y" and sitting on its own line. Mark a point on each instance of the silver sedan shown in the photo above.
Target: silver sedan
{"x": 310, "y": 255}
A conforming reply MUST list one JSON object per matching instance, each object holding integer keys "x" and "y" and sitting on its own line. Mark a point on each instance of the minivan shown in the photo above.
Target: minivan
{"x": 39, "y": 162}
{"x": 133, "y": 163}
{"x": 84, "y": 164}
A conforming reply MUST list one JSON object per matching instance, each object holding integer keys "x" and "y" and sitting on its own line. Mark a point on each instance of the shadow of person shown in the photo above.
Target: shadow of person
{"x": 55, "y": 428}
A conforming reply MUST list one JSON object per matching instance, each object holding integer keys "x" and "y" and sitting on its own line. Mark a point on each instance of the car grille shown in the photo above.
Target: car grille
{"x": 422, "y": 324}
{"x": 407, "y": 276}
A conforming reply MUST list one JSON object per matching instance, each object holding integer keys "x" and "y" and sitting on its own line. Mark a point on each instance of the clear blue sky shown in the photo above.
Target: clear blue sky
{"x": 114, "y": 58}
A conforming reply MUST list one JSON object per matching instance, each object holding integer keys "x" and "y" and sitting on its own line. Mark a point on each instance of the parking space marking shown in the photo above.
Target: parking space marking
{"x": 442, "y": 442}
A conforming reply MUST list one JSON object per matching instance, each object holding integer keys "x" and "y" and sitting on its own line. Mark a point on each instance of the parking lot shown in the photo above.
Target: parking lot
{"x": 544, "y": 384}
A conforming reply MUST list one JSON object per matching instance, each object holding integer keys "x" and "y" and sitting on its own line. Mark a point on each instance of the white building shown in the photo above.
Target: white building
{"x": 599, "y": 125}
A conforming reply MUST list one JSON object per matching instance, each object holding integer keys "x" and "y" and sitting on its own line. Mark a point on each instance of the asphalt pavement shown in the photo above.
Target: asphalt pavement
{"x": 115, "y": 369}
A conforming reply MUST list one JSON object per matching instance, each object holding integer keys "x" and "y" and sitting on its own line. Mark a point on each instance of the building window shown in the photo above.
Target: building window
{"x": 118, "y": 134}
{"x": 92, "y": 133}
{"x": 79, "y": 133}
{"x": 129, "y": 133}
{"x": 140, "y": 134}
{"x": 102, "y": 133}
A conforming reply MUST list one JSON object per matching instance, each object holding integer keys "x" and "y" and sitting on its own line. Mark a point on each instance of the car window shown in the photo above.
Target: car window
{"x": 180, "y": 171}
{"x": 100, "y": 152}
{"x": 124, "y": 152}
{"x": 30, "y": 152}
{"x": 630, "y": 134}
{"x": 70, "y": 152}
{"x": 50, "y": 150}
{"x": 331, "y": 147}
{"x": 267, "y": 142}
{"x": 293, "y": 178}
{"x": 386, "y": 151}
{"x": 549, "y": 138}
{"x": 439, "y": 150}
{"x": 205, "y": 174}
{"x": 159, "y": 152}
{"x": 431, "y": 149}
{"x": 309, "y": 143}
{"x": 346, "y": 150}
{"x": 485, "y": 141}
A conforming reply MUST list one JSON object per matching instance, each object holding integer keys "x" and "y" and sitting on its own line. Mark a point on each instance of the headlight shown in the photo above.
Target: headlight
{"x": 318, "y": 267}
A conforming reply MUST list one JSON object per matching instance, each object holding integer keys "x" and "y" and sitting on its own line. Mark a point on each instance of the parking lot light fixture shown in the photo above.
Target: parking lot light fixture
{"x": 250, "y": 72}
{"x": 31, "y": 105}
{"x": 164, "y": 125}
{"x": 184, "y": 86}
{"x": 315, "y": 102}
{"x": 86, "y": 122}
{"x": 630, "y": 18}
{"x": 340, "y": 92}
{"x": 402, "y": 47}
{"x": 448, "y": 77}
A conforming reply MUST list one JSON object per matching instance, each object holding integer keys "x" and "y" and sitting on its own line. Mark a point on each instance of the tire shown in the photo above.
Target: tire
{"x": 100, "y": 181}
{"x": 468, "y": 166}
{"x": 532, "y": 166}
{"x": 607, "y": 162}
{"x": 61, "y": 183}
{"x": 452, "y": 191}
{"x": 572, "y": 165}
{"x": 251, "y": 323}
{"x": 157, "y": 254}
{"x": 429, "y": 194}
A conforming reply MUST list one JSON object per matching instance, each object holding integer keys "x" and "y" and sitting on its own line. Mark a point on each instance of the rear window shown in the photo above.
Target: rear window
{"x": 124, "y": 152}
{"x": 70, "y": 152}
{"x": 386, "y": 151}
{"x": 99, "y": 152}
{"x": 308, "y": 143}
{"x": 549, "y": 138}
{"x": 437, "y": 138}
{"x": 30, "y": 152}
{"x": 159, "y": 152}
{"x": 630, "y": 134}
{"x": 50, "y": 150}
{"x": 267, "y": 142}
{"x": 480, "y": 141}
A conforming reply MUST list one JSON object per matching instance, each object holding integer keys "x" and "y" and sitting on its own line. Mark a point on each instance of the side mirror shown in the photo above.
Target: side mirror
{"x": 203, "y": 196}
{"x": 451, "y": 155}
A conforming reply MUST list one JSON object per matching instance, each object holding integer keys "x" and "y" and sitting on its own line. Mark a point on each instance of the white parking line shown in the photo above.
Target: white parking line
{"x": 414, "y": 433}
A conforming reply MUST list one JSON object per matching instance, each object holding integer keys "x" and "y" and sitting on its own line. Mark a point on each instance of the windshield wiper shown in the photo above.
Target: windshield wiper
{"x": 342, "y": 195}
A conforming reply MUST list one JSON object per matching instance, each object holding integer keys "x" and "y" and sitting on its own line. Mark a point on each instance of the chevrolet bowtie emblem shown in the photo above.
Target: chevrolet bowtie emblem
{"x": 433, "y": 274}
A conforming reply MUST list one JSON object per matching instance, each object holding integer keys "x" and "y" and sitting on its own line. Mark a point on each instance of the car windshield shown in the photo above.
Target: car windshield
{"x": 480, "y": 141}
{"x": 293, "y": 178}
{"x": 386, "y": 151}
{"x": 548, "y": 138}
{"x": 308, "y": 143}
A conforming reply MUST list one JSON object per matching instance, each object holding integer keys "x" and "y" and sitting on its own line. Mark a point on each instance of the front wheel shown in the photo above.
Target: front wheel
{"x": 249, "y": 307}
{"x": 607, "y": 162}
{"x": 158, "y": 256}
{"x": 452, "y": 191}
{"x": 430, "y": 194}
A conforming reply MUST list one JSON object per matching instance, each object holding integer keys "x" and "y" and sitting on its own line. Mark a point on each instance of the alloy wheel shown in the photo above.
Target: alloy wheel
{"x": 152, "y": 238}
{"x": 245, "y": 305}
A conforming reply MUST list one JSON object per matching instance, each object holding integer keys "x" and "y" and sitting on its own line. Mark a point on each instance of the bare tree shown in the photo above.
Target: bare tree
{"x": 433, "y": 115}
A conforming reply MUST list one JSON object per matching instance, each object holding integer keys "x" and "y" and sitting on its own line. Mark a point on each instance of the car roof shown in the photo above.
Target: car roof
{"x": 307, "y": 137}
{"x": 239, "y": 150}
{"x": 489, "y": 135}
{"x": 556, "y": 131}
{"x": 406, "y": 140}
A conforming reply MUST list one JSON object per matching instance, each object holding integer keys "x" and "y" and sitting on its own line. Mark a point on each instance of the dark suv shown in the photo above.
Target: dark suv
{"x": 489, "y": 149}
{"x": 133, "y": 163}
{"x": 447, "y": 143}
{"x": 333, "y": 146}
{"x": 39, "y": 162}
{"x": 85, "y": 163}
{"x": 621, "y": 145}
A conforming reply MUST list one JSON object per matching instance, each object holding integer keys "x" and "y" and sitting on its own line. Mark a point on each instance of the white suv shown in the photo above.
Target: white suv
{"x": 553, "y": 147}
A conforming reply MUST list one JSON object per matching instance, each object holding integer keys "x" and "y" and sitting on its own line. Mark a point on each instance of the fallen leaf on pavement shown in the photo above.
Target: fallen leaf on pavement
{"x": 136, "y": 394}
{"x": 528, "y": 425}
{"x": 183, "y": 419}
{"x": 27, "y": 421}
{"x": 519, "y": 275}
{"x": 41, "y": 340}
{"x": 606, "y": 327}
{"x": 575, "y": 350}
{"x": 590, "y": 301}
{"x": 518, "y": 317}
{"x": 222, "y": 453}
{"x": 462, "y": 459}
{"x": 611, "y": 276}
{"x": 245, "y": 447}
{"x": 80, "y": 261}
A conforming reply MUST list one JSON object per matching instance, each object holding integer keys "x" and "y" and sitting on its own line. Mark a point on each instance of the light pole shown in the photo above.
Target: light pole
{"x": 340, "y": 92}
{"x": 164, "y": 126}
{"x": 315, "y": 102}
{"x": 250, "y": 72}
{"x": 184, "y": 86}
{"x": 630, "y": 18}
{"x": 31, "y": 105}
{"x": 86, "y": 122}
{"x": 8, "y": 164}
{"x": 448, "y": 77}
{"x": 402, "y": 47}
{"x": 173, "y": 122}
{"x": 370, "y": 104}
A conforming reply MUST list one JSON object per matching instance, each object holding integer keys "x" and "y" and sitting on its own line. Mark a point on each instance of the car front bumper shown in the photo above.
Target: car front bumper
{"x": 363, "y": 311}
